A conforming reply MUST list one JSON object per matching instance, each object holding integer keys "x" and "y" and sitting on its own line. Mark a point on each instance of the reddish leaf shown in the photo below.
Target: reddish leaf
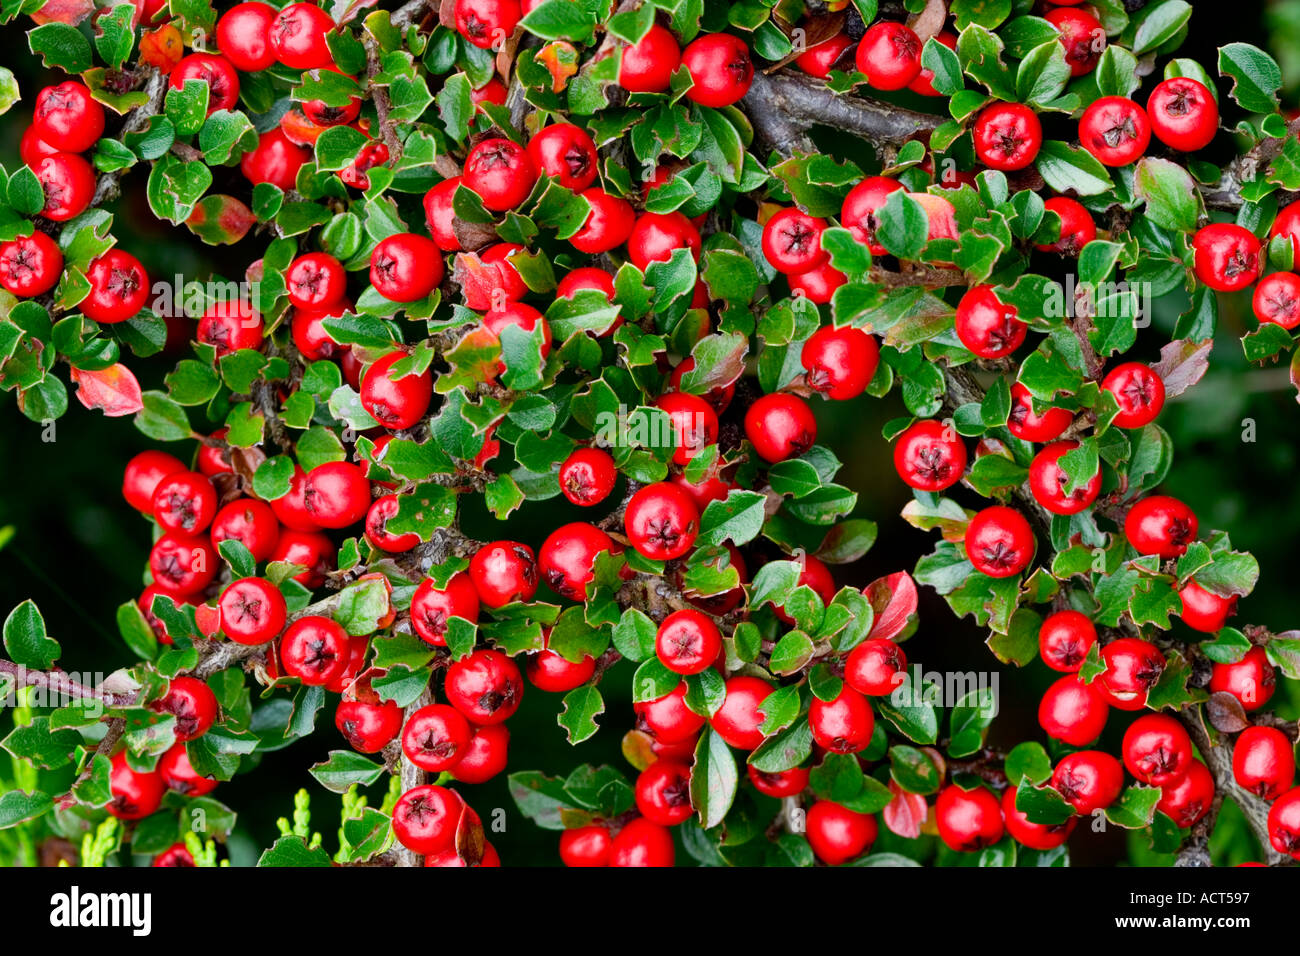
{"x": 893, "y": 598}
{"x": 561, "y": 59}
{"x": 221, "y": 220}
{"x": 905, "y": 814}
{"x": 114, "y": 390}
{"x": 1182, "y": 364}
{"x": 162, "y": 48}
{"x": 71, "y": 12}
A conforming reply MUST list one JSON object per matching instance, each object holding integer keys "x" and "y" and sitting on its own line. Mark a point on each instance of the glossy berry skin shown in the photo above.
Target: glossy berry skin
{"x": 1007, "y": 136}
{"x": 999, "y": 542}
{"x": 1276, "y": 298}
{"x": 377, "y": 533}
{"x": 275, "y": 160}
{"x": 184, "y": 502}
{"x": 1048, "y": 481}
{"x": 968, "y": 820}
{"x": 212, "y": 458}
{"x": 440, "y": 216}
{"x": 585, "y": 846}
{"x": 842, "y": 725}
{"x": 253, "y": 611}
{"x": 68, "y": 182}
{"x": 1204, "y": 610}
{"x": 193, "y": 705}
{"x": 737, "y": 721}
{"x": 315, "y": 280}
{"x": 486, "y": 756}
{"x": 216, "y": 71}
{"x": 1161, "y": 525}
{"x": 30, "y": 265}
{"x": 547, "y": 670}
{"x": 1115, "y": 130}
{"x": 503, "y": 572}
{"x": 431, "y": 607}
{"x": 119, "y": 288}
{"x": 838, "y": 834}
{"x": 1226, "y": 256}
{"x": 1082, "y": 35}
{"x": 1252, "y": 680}
{"x": 436, "y": 737}
{"x": 694, "y": 424}
{"x": 1284, "y": 824}
{"x": 244, "y": 36}
{"x": 647, "y": 66}
{"x": 784, "y": 783}
{"x": 567, "y": 558}
{"x": 1287, "y": 225}
{"x": 325, "y": 115}
{"x": 565, "y": 152}
{"x": 1077, "y": 226}
{"x": 819, "y": 60}
{"x": 642, "y": 843}
{"x": 32, "y": 149}
{"x": 1026, "y": 425}
{"x": 291, "y": 509}
{"x": 230, "y": 326}
{"x": 181, "y": 564}
{"x": 587, "y": 476}
{"x": 1036, "y": 836}
{"x": 668, "y": 718}
{"x": 1073, "y": 712}
{"x": 486, "y": 687}
{"x": 315, "y": 650}
{"x": 792, "y": 242}
{"x": 503, "y": 282}
{"x": 840, "y": 363}
{"x": 889, "y": 54}
{"x": 405, "y": 267}
{"x": 298, "y": 37}
{"x": 875, "y": 667}
{"x": 720, "y": 68}
{"x": 312, "y": 551}
{"x": 179, "y": 775}
{"x": 1064, "y": 640}
{"x": 337, "y": 494}
{"x": 1139, "y": 391}
{"x": 608, "y": 224}
{"x": 1089, "y": 780}
{"x": 67, "y": 117}
{"x": 1188, "y": 798}
{"x": 368, "y": 726}
{"x": 1132, "y": 668}
{"x": 425, "y": 818}
{"x": 780, "y": 426}
{"x": 1157, "y": 749}
{"x": 688, "y": 642}
{"x": 1263, "y": 761}
{"x": 663, "y": 793}
{"x": 858, "y": 212}
{"x": 135, "y": 795}
{"x": 142, "y": 475}
{"x": 311, "y": 338}
{"x": 396, "y": 403}
{"x": 487, "y": 24}
{"x": 987, "y": 326}
{"x": 656, "y": 236}
{"x": 1183, "y": 114}
{"x": 817, "y": 285}
{"x": 929, "y": 456}
{"x": 502, "y": 173}
{"x": 586, "y": 277}
{"x": 661, "y": 521}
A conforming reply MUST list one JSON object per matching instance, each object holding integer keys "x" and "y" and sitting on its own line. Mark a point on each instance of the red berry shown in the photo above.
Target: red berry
{"x": 142, "y": 475}
{"x": 642, "y": 843}
{"x": 323, "y": 114}
{"x": 487, "y": 24}
{"x": 792, "y": 242}
{"x": 1089, "y": 780}
{"x": 780, "y": 426}
{"x": 875, "y": 667}
{"x": 567, "y": 558}
{"x": 661, "y": 521}
{"x": 1263, "y": 762}
{"x": 405, "y": 267}
{"x": 889, "y": 53}
{"x": 923, "y": 84}
{"x": 253, "y": 611}
{"x": 840, "y": 362}
{"x": 1132, "y": 668}
{"x": 1226, "y": 256}
{"x": 337, "y": 494}
{"x": 216, "y": 71}
{"x": 817, "y": 285}
{"x": 1188, "y": 799}
{"x": 503, "y": 572}
{"x": 185, "y": 502}
{"x": 1073, "y": 712}
{"x": 368, "y": 726}
{"x": 987, "y": 326}
{"x": 181, "y": 564}
{"x": 783, "y": 783}
{"x": 1140, "y": 392}
{"x": 737, "y": 721}
{"x": 999, "y": 542}
{"x": 431, "y": 607}
{"x": 647, "y": 66}
{"x": 291, "y": 508}
{"x": 929, "y": 456}
{"x": 655, "y": 237}
{"x": 688, "y": 642}
{"x": 1276, "y": 299}
{"x": 244, "y": 35}
{"x": 178, "y": 774}
{"x": 1287, "y": 225}
{"x": 567, "y": 153}
{"x": 968, "y": 820}
{"x": 316, "y": 280}
{"x": 192, "y": 704}
{"x": 298, "y": 37}
{"x": 425, "y": 818}
{"x": 440, "y": 216}
{"x": 587, "y": 476}
{"x": 547, "y": 670}
{"x": 229, "y": 326}
{"x": 813, "y": 574}
{"x": 377, "y": 533}
{"x": 663, "y": 793}
{"x": 1115, "y": 130}
{"x": 493, "y": 91}
{"x": 607, "y": 226}
{"x": 668, "y": 717}
{"x": 310, "y": 336}
{"x": 486, "y": 687}
{"x": 587, "y": 277}
{"x": 30, "y": 265}
{"x": 843, "y": 725}
{"x": 436, "y": 737}
{"x": 838, "y": 834}
{"x": 1157, "y": 749}
{"x": 1048, "y": 481}
{"x": 135, "y": 794}
{"x": 1077, "y": 226}
{"x": 1160, "y": 525}
{"x": 858, "y": 213}
{"x": 315, "y": 650}
{"x": 1064, "y": 640}
{"x": 32, "y": 149}
{"x": 1036, "y": 836}
{"x": 1183, "y": 113}
{"x": 119, "y": 288}
{"x": 67, "y": 117}
{"x": 1284, "y": 824}
{"x": 585, "y": 846}
{"x": 501, "y": 172}
{"x": 1007, "y": 136}
{"x": 309, "y": 550}
{"x": 395, "y": 402}
{"x": 1082, "y": 35}
{"x": 275, "y": 160}
{"x": 720, "y": 69}
{"x": 486, "y": 757}
{"x": 819, "y": 60}
{"x": 1028, "y": 426}
{"x": 1204, "y": 610}
{"x": 69, "y": 184}
{"x": 522, "y": 316}
{"x": 694, "y": 423}
{"x": 1252, "y": 680}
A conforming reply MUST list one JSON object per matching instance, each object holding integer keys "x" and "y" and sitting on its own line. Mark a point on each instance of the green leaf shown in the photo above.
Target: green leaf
{"x": 903, "y": 226}
{"x": 17, "y": 807}
{"x": 1171, "y": 197}
{"x": 292, "y": 851}
{"x": 345, "y": 768}
{"x": 714, "y": 779}
{"x": 60, "y": 45}
{"x": 1255, "y": 76}
{"x": 1064, "y": 168}
{"x": 582, "y": 706}
{"x": 25, "y": 639}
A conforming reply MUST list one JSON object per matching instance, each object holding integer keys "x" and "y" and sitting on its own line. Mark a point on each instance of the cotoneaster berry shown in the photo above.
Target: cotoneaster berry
{"x": 1077, "y": 226}
{"x": 425, "y": 818}
{"x": 875, "y": 667}
{"x": 192, "y": 704}
{"x": 841, "y": 362}
{"x": 838, "y": 834}
{"x": 1263, "y": 762}
{"x": 585, "y": 277}
{"x": 440, "y": 216}
{"x": 1064, "y": 640}
{"x": 782, "y": 783}
{"x": 522, "y": 316}
{"x": 216, "y": 71}
{"x": 588, "y": 476}
{"x": 642, "y": 843}
{"x": 67, "y": 117}
{"x": 313, "y": 552}
{"x": 1089, "y": 780}
{"x": 1252, "y": 680}
{"x": 229, "y": 326}
{"x": 1007, "y": 136}
{"x": 1026, "y": 424}
{"x": 432, "y": 607}
{"x": 1073, "y": 712}
{"x": 179, "y": 775}
{"x": 181, "y": 564}
{"x": 298, "y": 36}
{"x": 381, "y": 511}
{"x": 503, "y": 572}
{"x": 487, "y": 24}
{"x": 142, "y": 475}
{"x": 1048, "y": 481}
{"x": 1189, "y": 798}
{"x": 135, "y": 794}
{"x": 337, "y": 494}
{"x": 486, "y": 757}
{"x": 817, "y": 285}
{"x": 986, "y": 325}
{"x": 502, "y": 173}
{"x": 1204, "y": 610}
{"x": 275, "y": 160}
{"x": 1082, "y": 35}
{"x": 253, "y": 611}
{"x": 738, "y": 720}
{"x": 668, "y": 717}
{"x": 792, "y": 241}
{"x": 566, "y": 560}
{"x": 184, "y": 502}
{"x": 889, "y": 54}
{"x": 656, "y": 236}
{"x": 1160, "y": 525}
{"x": 486, "y": 687}
{"x": 780, "y": 426}
{"x": 244, "y": 36}
{"x": 585, "y": 846}
{"x": 395, "y": 401}
{"x": 1139, "y": 391}
{"x": 405, "y": 267}
{"x": 1132, "y": 666}
{"x": 688, "y": 642}
{"x": 567, "y": 153}
{"x": 929, "y": 456}
{"x": 1157, "y": 749}
{"x": 923, "y": 83}
{"x": 315, "y": 280}
{"x": 694, "y": 424}
{"x": 68, "y": 182}
{"x": 720, "y": 67}
{"x": 323, "y": 114}
{"x": 1284, "y": 824}
{"x": 1115, "y": 130}
{"x": 820, "y": 59}
{"x": 1183, "y": 114}
{"x": 436, "y": 737}
{"x": 314, "y": 649}
{"x": 1226, "y": 256}
{"x": 548, "y": 670}
{"x": 1036, "y": 836}
{"x": 647, "y": 66}
{"x": 844, "y": 724}
{"x": 30, "y": 265}
{"x": 663, "y": 793}
{"x": 661, "y": 521}
{"x": 999, "y": 542}
{"x": 968, "y": 820}
{"x": 858, "y": 212}
{"x": 1276, "y": 298}
{"x": 119, "y": 288}
{"x": 368, "y": 726}
{"x": 607, "y": 226}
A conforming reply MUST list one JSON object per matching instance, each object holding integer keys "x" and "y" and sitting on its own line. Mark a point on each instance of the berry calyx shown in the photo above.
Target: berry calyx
{"x": 663, "y": 793}
{"x": 588, "y": 476}
{"x": 1139, "y": 391}
{"x": 1064, "y": 640}
{"x": 720, "y": 67}
{"x": 986, "y": 325}
{"x": 889, "y": 53}
{"x": 503, "y": 572}
{"x": 661, "y": 521}
{"x": 486, "y": 687}
{"x": 999, "y": 542}
{"x": 395, "y": 400}
{"x": 1160, "y": 525}
{"x": 1115, "y": 130}
{"x": 1226, "y": 256}
{"x": 929, "y": 456}
{"x": 436, "y": 737}
{"x": 253, "y": 611}
{"x": 1157, "y": 749}
{"x": 1007, "y": 136}
{"x": 688, "y": 642}
{"x": 840, "y": 363}
{"x": 1089, "y": 780}
{"x": 315, "y": 650}
{"x": 1049, "y": 479}
{"x": 1183, "y": 114}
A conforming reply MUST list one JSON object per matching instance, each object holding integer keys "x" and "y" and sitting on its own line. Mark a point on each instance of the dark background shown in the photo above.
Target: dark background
{"x": 79, "y": 551}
